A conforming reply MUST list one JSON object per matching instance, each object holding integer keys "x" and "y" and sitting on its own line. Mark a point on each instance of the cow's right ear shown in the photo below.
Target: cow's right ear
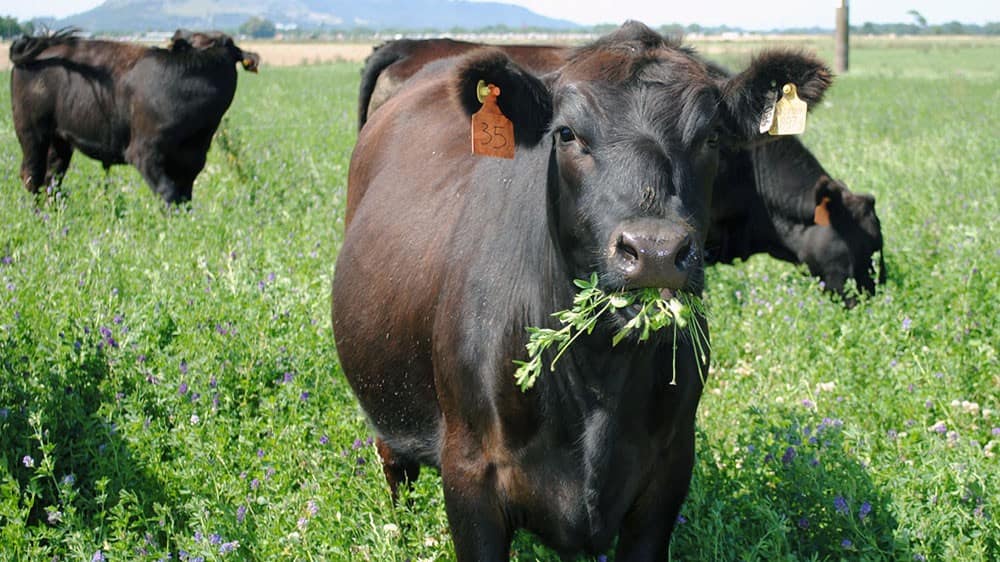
{"x": 829, "y": 195}
{"x": 752, "y": 92}
{"x": 524, "y": 98}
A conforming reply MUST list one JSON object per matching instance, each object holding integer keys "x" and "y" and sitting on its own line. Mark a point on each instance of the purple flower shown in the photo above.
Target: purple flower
{"x": 360, "y": 461}
{"x": 681, "y": 519}
{"x": 840, "y": 504}
{"x": 357, "y": 444}
{"x": 312, "y": 508}
{"x": 602, "y": 558}
{"x": 304, "y": 396}
{"x": 255, "y": 483}
{"x": 808, "y": 403}
{"x": 803, "y": 523}
{"x": 117, "y": 319}
{"x": 212, "y": 383}
{"x": 4, "y": 412}
{"x": 906, "y": 323}
{"x": 28, "y": 461}
{"x": 198, "y": 536}
{"x": 789, "y": 455}
{"x": 214, "y": 538}
{"x": 288, "y": 377}
{"x": 184, "y": 367}
{"x": 183, "y": 388}
{"x": 865, "y": 509}
{"x": 995, "y": 431}
{"x": 260, "y": 453}
{"x": 846, "y": 543}
{"x": 7, "y": 260}
{"x": 919, "y": 558}
{"x": 228, "y": 547}
{"x": 69, "y": 480}
{"x": 97, "y": 557}
{"x": 241, "y": 513}
{"x": 323, "y": 439}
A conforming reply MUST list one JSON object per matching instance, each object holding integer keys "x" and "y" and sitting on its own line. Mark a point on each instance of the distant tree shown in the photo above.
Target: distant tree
{"x": 9, "y": 27}
{"x": 672, "y": 30}
{"x": 258, "y": 28}
{"x": 918, "y": 17}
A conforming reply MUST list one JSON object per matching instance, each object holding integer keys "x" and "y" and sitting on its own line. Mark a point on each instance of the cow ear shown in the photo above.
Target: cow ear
{"x": 750, "y": 93}
{"x": 828, "y": 195}
{"x": 180, "y": 42}
{"x": 524, "y": 98}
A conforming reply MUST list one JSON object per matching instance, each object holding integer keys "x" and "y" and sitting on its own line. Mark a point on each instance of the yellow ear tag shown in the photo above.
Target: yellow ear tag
{"x": 789, "y": 113}
{"x": 492, "y": 132}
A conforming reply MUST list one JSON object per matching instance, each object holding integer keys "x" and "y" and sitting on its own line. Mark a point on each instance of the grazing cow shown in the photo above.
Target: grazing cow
{"x": 448, "y": 257}
{"x": 765, "y": 197}
{"x": 777, "y": 198}
{"x": 156, "y": 109}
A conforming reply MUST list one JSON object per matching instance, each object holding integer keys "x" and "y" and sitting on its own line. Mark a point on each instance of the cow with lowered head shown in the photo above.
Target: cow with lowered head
{"x": 767, "y": 198}
{"x": 779, "y": 199}
{"x": 122, "y": 103}
{"x": 449, "y": 257}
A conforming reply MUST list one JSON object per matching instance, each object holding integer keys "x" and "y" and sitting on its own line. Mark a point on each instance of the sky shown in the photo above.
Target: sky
{"x": 746, "y": 14}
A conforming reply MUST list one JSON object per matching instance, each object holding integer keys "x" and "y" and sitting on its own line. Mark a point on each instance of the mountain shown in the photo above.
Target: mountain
{"x": 167, "y": 15}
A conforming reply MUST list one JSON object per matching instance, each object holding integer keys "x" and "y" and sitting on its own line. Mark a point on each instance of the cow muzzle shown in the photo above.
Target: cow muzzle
{"x": 653, "y": 253}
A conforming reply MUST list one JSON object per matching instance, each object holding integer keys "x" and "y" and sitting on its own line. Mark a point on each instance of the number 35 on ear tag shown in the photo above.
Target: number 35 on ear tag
{"x": 492, "y": 132}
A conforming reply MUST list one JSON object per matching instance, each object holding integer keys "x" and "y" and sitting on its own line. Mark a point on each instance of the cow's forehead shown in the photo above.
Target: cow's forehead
{"x": 663, "y": 92}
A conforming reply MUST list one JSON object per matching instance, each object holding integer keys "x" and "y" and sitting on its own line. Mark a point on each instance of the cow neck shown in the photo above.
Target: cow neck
{"x": 785, "y": 176}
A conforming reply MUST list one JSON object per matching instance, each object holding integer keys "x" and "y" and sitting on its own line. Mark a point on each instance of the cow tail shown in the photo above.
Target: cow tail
{"x": 26, "y": 48}
{"x": 380, "y": 59}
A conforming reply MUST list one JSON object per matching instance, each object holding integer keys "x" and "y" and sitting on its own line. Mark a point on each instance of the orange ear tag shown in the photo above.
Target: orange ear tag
{"x": 821, "y": 215}
{"x": 492, "y": 132}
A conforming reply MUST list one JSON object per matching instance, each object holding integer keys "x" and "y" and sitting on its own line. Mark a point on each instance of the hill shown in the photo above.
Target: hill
{"x": 163, "y": 15}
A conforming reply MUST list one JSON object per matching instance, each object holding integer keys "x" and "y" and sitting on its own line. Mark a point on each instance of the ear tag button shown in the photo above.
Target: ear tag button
{"x": 789, "y": 113}
{"x": 492, "y": 132}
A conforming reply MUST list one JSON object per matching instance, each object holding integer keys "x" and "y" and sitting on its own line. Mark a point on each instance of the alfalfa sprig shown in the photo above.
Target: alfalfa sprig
{"x": 652, "y": 313}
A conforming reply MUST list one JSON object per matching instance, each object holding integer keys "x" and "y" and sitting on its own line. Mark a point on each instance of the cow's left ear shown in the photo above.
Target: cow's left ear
{"x": 750, "y": 93}
{"x": 524, "y": 98}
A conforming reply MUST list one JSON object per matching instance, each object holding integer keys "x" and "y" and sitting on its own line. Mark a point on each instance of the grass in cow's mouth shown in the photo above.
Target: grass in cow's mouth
{"x": 648, "y": 311}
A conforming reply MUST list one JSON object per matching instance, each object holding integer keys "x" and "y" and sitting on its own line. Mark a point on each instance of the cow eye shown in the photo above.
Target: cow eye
{"x": 713, "y": 139}
{"x": 566, "y": 134}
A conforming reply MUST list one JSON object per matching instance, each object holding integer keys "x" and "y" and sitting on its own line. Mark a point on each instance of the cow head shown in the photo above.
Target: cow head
{"x": 633, "y": 124}
{"x": 843, "y": 240}
{"x": 185, "y": 40}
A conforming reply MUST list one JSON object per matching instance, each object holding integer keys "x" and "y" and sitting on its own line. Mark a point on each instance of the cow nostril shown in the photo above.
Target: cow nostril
{"x": 626, "y": 251}
{"x": 681, "y": 259}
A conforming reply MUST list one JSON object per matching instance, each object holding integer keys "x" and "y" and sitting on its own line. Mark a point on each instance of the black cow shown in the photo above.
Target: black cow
{"x": 777, "y": 198}
{"x": 119, "y": 103}
{"x": 448, "y": 257}
{"x": 766, "y": 197}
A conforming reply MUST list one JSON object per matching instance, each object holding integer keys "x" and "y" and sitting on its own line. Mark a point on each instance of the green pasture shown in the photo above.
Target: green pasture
{"x": 169, "y": 387}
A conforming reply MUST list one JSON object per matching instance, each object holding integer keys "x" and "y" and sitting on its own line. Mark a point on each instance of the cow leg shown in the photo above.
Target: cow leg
{"x": 645, "y": 533}
{"x": 60, "y": 152}
{"x": 475, "y": 516}
{"x": 397, "y": 470}
{"x": 33, "y": 164}
{"x": 149, "y": 160}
